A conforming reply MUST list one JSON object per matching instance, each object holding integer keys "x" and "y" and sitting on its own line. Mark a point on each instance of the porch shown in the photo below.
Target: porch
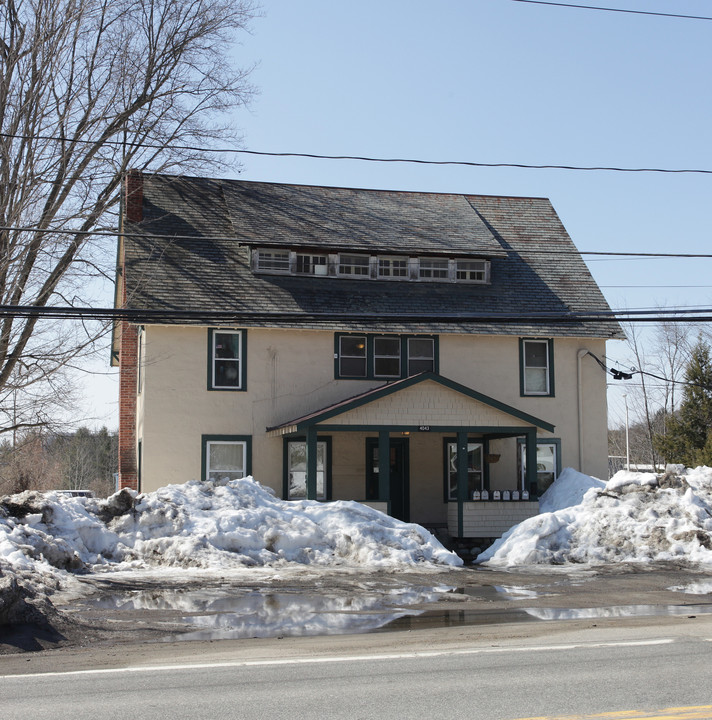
{"x": 421, "y": 413}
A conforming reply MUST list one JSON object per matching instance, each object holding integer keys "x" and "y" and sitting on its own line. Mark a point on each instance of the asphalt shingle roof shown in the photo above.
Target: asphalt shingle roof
{"x": 191, "y": 252}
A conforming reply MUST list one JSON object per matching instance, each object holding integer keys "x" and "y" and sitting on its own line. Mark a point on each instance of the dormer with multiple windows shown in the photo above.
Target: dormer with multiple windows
{"x": 353, "y": 266}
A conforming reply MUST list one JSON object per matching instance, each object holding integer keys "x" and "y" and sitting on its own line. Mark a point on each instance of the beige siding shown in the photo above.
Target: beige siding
{"x": 489, "y": 519}
{"x": 291, "y": 373}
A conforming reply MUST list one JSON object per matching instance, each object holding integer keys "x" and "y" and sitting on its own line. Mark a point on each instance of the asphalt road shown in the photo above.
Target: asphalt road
{"x": 633, "y": 672}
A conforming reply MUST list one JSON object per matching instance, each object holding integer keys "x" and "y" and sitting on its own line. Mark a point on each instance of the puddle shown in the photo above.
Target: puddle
{"x": 244, "y": 613}
{"x": 615, "y": 611}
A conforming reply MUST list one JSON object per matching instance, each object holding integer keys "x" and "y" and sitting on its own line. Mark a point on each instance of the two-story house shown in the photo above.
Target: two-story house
{"x": 424, "y": 353}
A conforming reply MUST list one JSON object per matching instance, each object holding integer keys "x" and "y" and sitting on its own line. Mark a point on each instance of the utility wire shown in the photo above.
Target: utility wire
{"x": 612, "y": 9}
{"x": 365, "y": 158}
{"x": 229, "y": 238}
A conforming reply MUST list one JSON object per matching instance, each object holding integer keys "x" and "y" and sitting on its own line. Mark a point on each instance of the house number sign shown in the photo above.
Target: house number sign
{"x": 424, "y": 428}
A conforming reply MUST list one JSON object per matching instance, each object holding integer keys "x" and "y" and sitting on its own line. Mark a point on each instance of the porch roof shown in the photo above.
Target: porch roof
{"x": 432, "y": 417}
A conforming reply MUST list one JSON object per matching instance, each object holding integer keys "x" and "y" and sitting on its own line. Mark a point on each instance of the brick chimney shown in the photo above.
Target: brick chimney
{"x": 134, "y": 196}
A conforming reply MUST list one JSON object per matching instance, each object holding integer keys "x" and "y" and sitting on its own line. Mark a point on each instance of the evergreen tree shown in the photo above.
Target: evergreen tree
{"x": 688, "y": 438}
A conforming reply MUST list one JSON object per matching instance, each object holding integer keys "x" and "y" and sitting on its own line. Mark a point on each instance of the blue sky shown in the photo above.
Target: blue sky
{"x": 503, "y": 81}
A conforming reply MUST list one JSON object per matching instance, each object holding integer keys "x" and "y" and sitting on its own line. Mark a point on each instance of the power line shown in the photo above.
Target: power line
{"x": 365, "y": 158}
{"x": 612, "y": 9}
{"x": 231, "y": 238}
{"x": 237, "y": 316}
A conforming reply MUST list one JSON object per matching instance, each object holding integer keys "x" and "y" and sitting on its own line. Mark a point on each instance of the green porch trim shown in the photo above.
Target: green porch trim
{"x": 493, "y": 432}
{"x": 311, "y": 463}
{"x": 370, "y": 396}
{"x": 384, "y": 467}
{"x": 461, "y": 480}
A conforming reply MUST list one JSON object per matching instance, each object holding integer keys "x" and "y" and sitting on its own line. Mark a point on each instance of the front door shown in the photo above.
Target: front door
{"x": 399, "y": 480}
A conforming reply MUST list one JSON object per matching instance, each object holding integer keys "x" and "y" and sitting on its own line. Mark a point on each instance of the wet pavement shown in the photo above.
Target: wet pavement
{"x": 165, "y": 608}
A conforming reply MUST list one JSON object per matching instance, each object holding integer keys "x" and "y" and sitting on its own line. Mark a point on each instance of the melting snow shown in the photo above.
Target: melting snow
{"x": 634, "y": 517}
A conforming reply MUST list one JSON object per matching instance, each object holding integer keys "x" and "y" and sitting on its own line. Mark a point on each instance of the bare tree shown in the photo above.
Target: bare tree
{"x": 89, "y": 89}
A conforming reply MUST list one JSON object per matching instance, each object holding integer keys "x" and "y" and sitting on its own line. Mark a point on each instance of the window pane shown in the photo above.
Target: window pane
{"x": 390, "y": 267}
{"x": 386, "y": 367}
{"x": 387, "y": 346}
{"x": 352, "y": 367}
{"x": 535, "y": 354}
{"x": 546, "y": 463}
{"x": 297, "y": 470}
{"x": 535, "y": 380}
{"x": 227, "y": 345}
{"x": 225, "y": 460}
{"x": 352, "y": 346}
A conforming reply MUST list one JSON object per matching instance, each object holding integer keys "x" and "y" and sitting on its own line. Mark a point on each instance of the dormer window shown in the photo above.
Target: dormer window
{"x": 311, "y": 264}
{"x": 273, "y": 260}
{"x": 433, "y": 269}
{"x": 363, "y": 266}
{"x": 471, "y": 270}
{"x": 354, "y": 265}
{"x": 392, "y": 267}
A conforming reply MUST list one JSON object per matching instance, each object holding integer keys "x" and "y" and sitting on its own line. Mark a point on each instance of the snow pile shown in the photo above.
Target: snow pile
{"x": 204, "y": 525}
{"x": 634, "y": 517}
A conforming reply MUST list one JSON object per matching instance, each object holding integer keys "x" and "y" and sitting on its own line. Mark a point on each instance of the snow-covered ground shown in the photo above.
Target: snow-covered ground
{"x": 634, "y": 517}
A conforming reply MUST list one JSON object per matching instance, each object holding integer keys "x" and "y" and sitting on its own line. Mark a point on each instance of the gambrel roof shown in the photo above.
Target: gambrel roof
{"x": 191, "y": 251}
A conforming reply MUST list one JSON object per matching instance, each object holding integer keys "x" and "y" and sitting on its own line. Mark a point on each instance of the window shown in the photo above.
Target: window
{"x": 421, "y": 355}
{"x": 475, "y": 476}
{"x": 227, "y": 363}
{"x": 433, "y": 269}
{"x": 352, "y": 356}
{"x": 226, "y": 456}
{"x": 273, "y": 260}
{"x": 548, "y": 464}
{"x": 296, "y": 466}
{"x": 384, "y": 356}
{"x": 536, "y": 367}
{"x": 311, "y": 264}
{"x": 471, "y": 271}
{"x": 392, "y": 267}
{"x": 358, "y": 265}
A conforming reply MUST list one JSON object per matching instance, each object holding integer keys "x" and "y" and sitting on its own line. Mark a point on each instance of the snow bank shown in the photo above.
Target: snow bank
{"x": 634, "y": 517}
{"x": 204, "y": 525}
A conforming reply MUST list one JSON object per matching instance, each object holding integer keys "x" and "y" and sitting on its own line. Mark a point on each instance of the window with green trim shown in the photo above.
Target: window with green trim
{"x": 548, "y": 463}
{"x": 372, "y": 357}
{"x": 296, "y": 469}
{"x": 536, "y": 367}
{"x": 226, "y": 457}
{"x": 226, "y": 363}
{"x": 475, "y": 474}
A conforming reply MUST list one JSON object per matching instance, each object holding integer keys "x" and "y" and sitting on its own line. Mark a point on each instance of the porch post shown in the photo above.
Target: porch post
{"x": 461, "y": 479}
{"x": 384, "y": 468}
{"x": 530, "y": 479}
{"x": 311, "y": 462}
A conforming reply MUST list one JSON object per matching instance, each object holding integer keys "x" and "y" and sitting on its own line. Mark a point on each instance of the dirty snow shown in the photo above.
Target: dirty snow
{"x": 634, "y": 517}
{"x": 211, "y": 525}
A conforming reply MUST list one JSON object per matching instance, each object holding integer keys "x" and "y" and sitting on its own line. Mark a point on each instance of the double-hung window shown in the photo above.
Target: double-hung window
{"x": 273, "y": 260}
{"x": 421, "y": 355}
{"x": 536, "y": 367}
{"x": 471, "y": 271}
{"x": 226, "y": 367}
{"x": 387, "y": 357}
{"x": 225, "y": 457}
{"x": 352, "y": 356}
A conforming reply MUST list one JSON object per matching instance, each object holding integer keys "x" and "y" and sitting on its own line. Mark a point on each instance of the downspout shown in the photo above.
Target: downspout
{"x": 580, "y": 355}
